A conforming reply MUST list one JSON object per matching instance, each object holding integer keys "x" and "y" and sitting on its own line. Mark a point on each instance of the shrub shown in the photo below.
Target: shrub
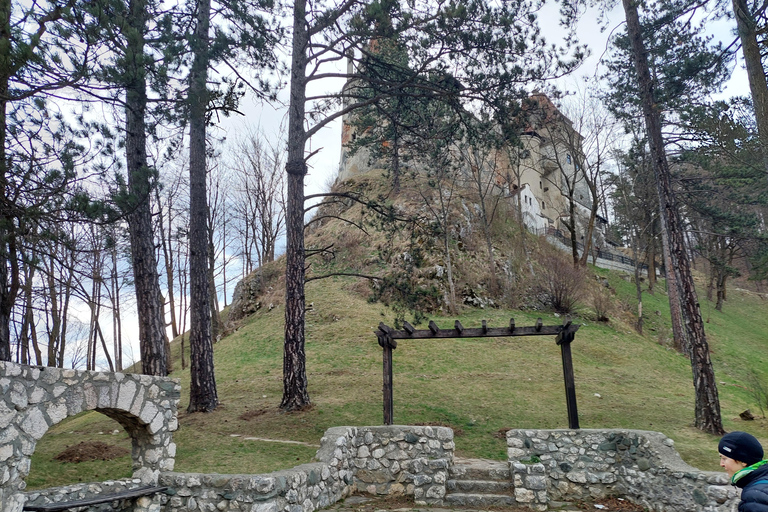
{"x": 602, "y": 302}
{"x": 559, "y": 282}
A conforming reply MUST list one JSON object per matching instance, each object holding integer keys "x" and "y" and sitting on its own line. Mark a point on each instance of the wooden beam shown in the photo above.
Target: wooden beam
{"x": 511, "y": 325}
{"x": 490, "y": 332}
{"x": 433, "y": 328}
{"x": 538, "y": 324}
{"x": 457, "y": 325}
{"x": 104, "y": 498}
{"x": 485, "y": 327}
{"x": 408, "y": 327}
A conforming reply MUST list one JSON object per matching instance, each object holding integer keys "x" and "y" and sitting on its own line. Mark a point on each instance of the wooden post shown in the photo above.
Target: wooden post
{"x": 387, "y": 388}
{"x": 564, "y": 340}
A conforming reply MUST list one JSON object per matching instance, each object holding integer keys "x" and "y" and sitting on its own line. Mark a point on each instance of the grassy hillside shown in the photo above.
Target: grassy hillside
{"x": 478, "y": 387}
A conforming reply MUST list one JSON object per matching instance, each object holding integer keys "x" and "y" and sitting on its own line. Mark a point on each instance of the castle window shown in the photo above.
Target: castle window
{"x": 543, "y": 205}
{"x": 540, "y": 185}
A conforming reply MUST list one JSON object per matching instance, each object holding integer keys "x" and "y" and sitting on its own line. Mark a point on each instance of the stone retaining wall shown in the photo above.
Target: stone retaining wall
{"x": 33, "y": 399}
{"x": 404, "y": 460}
{"x": 545, "y": 465}
{"x": 378, "y": 460}
{"x": 638, "y": 465}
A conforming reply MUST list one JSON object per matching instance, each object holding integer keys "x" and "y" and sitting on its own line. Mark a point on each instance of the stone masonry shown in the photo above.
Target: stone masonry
{"x": 36, "y": 398}
{"x": 378, "y": 460}
{"x": 638, "y": 465}
{"x": 403, "y": 460}
{"x": 544, "y": 465}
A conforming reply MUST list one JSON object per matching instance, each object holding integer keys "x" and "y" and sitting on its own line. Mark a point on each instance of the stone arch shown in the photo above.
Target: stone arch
{"x": 36, "y": 398}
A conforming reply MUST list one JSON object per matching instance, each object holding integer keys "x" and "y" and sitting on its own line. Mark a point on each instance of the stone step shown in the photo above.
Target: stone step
{"x": 479, "y": 469}
{"x": 479, "y": 486}
{"x": 478, "y": 501}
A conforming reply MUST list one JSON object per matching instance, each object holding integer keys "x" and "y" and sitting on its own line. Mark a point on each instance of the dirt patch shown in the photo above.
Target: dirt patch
{"x": 501, "y": 433}
{"x": 89, "y": 451}
{"x": 249, "y": 415}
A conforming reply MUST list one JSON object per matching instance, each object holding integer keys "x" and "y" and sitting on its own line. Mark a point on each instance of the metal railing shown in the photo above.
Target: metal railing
{"x": 601, "y": 253}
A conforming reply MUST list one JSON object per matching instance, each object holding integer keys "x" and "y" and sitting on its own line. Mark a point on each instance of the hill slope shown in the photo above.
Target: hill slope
{"x": 478, "y": 387}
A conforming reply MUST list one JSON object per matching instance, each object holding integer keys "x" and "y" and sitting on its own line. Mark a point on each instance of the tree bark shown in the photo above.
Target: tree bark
{"x": 203, "y": 396}
{"x": 146, "y": 281}
{"x": 746, "y": 27}
{"x": 9, "y": 284}
{"x": 295, "y": 394}
{"x": 707, "y": 404}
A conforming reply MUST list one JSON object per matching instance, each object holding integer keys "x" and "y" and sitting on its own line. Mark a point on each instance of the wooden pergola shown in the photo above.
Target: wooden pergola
{"x": 564, "y": 335}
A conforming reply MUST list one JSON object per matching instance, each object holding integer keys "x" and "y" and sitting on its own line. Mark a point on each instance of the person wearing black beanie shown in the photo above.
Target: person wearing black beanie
{"x": 742, "y": 457}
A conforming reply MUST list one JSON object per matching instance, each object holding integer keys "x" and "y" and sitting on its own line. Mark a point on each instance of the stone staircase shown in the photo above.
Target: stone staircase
{"x": 479, "y": 483}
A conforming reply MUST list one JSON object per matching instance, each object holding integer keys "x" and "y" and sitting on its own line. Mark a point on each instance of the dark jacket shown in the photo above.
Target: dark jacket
{"x": 754, "y": 488}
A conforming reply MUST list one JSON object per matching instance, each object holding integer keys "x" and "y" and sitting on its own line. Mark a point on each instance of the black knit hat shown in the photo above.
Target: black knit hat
{"x": 742, "y": 447}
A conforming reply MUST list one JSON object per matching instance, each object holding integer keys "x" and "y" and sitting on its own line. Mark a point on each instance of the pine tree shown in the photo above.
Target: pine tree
{"x": 707, "y": 404}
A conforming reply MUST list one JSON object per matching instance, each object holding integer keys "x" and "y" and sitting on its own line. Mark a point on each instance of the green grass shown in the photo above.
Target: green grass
{"x": 478, "y": 386}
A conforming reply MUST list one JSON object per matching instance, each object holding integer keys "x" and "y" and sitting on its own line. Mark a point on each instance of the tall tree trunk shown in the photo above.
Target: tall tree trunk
{"x": 571, "y": 225}
{"x": 746, "y": 27}
{"x": 9, "y": 280}
{"x": 203, "y": 396}
{"x": 453, "y": 307}
{"x": 165, "y": 241}
{"x": 638, "y": 288}
{"x": 29, "y": 315}
{"x": 214, "y": 301}
{"x": 651, "y": 255}
{"x": 54, "y": 332}
{"x": 707, "y": 404}
{"x": 145, "y": 277}
{"x": 590, "y": 229}
{"x": 395, "y": 160}
{"x": 295, "y": 394}
{"x": 722, "y": 276}
{"x": 117, "y": 330}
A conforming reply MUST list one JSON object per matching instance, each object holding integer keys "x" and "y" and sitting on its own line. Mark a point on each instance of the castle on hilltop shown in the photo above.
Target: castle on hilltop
{"x": 543, "y": 177}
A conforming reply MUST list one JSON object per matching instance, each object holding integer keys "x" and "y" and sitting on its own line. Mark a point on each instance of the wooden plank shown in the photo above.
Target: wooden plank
{"x": 432, "y": 328}
{"x": 459, "y": 328}
{"x": 485, "y": 327}
{"x": 539, "y": 325}
{"x": 408, "y": 327}
{"x": 511, "y": 325}
{"x": 105, "y": 498}
{"x": 491, "y": 332}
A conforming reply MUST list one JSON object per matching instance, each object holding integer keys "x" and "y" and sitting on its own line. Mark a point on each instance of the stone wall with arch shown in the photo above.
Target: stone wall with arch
{"x": 36, "y": 398}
